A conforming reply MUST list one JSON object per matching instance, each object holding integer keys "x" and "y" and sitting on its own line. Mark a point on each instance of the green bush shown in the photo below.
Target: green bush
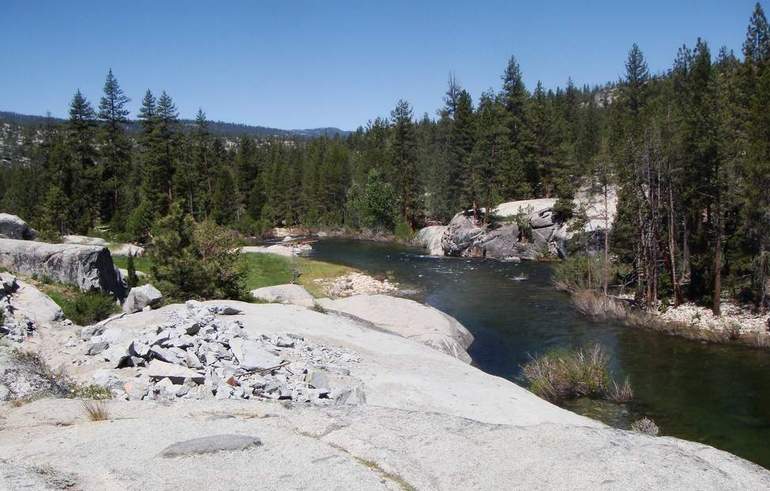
{"x": 560, "y": 375}
{"x": 403, "y": 231}
{"x": 85, "y": 308}
{"x": 196, "y": 260}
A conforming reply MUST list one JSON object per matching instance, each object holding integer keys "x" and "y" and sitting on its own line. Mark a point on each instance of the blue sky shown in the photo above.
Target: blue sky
{"x": 301, "y": 64}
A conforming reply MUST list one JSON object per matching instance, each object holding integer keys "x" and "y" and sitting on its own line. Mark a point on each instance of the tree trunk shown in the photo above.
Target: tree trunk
{"x": 717, "y": 298}
{"x": 606, "y": 241}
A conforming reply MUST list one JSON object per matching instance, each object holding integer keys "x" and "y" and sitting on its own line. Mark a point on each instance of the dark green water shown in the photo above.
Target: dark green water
{"x": 718, "y": 395}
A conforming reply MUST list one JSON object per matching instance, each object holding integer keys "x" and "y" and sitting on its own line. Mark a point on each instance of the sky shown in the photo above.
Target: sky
{"x": 306, "y": 64}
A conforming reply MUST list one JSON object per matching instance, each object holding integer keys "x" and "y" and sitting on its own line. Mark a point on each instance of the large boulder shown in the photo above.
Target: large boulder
{"x": 127, "y": 250}
{"x": 408, "y": 319}
{"x": 89, "y": 268}
{"x": 35, "y": 304}
{"x": 461, "y": 235}
{"x": 521, "y": 229}
{"x": 140, "y": 297}
{"x": 288, "y": 294}
{"x": 430, "y": 238}
{"x": 13, "y": 227}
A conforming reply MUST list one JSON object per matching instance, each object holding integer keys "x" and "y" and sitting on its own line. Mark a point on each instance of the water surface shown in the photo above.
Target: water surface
{"x": 718, "y": 395}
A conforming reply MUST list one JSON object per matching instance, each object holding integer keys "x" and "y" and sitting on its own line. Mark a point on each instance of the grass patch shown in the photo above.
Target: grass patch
{"x": 271, "y": 269}
{"x": 563, "y": 374}
{"x": 141, "y": 263}
{"x": 268, "y": 270}
{"x": 96, "y": 410}
{"x": 82, "y": 308}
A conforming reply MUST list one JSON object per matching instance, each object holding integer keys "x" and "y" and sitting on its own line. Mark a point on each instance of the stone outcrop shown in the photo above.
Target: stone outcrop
{"x": 520, "y": 229}
{"x": 279, "y": 249}
{"x": 140, "y": 297}
{"x": 408, "y": 319}
{"x": 89, "y": 268}
{"x": 421, "y": 406}
{"x": 24, "y": 309}
{"x": 430, "y": 238}
{"x": 84, "y": 240}
{"x": 287, "y": 294}
{"x": 13, "y": 227}
{"x": 127, "y": 250}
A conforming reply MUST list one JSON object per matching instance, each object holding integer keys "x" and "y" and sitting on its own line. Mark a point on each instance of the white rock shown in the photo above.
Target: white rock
{"x": 288, "y": 294}
{"x": 408, "y": 319}
{"x": 140, "y": 297}
{"x": 253, "y": 356}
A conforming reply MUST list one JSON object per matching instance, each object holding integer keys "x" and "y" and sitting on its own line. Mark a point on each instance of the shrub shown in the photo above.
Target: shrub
{"x": 563, "y": 210}
{"x": 196, "y": 260}
{"x": 645, "y": 425}
{"x": 561, "y": 375}
{"x": 93, "y": 392}
{"x": 403, "y": 231}
{"x": 83, "y": 308}
{"x": 133, "y": 279}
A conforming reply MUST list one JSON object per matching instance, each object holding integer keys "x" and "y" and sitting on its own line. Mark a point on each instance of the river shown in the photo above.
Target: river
{"x": 714, "y": 394}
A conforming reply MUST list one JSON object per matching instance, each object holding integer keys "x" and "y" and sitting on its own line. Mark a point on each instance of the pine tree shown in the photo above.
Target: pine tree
{"x": 491, "y": 157}
{"x": 84, "y": 180}
{"x": 756, "y": 48}
{"x": 515, "y": 99}
{"x": 404, "y": 162}
{"x": 115, "y": 149}
{"x": 460, "y": 185}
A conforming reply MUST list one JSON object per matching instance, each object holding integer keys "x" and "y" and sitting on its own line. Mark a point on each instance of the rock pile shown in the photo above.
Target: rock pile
{"x": 198, "y": 355}
{"x": 13, "y": 327}
{"x": 357, "y": 284}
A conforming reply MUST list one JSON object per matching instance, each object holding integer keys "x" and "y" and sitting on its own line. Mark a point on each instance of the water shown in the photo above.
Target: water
{"x": 718, "y": 395}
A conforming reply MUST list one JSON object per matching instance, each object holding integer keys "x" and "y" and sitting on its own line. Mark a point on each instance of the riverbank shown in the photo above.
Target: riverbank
{"x": 736, "y": 325}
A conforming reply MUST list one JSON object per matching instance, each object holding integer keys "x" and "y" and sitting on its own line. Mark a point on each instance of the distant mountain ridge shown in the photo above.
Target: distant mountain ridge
{"x": 219, "y": 128}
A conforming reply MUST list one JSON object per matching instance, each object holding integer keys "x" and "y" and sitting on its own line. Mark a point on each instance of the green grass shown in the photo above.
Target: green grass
{"x": 268, "y": 270}
{"x": 141, "y": 263}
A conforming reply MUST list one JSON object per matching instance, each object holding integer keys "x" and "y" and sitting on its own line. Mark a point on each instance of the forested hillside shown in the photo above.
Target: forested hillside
{"x": 689, "y": 150}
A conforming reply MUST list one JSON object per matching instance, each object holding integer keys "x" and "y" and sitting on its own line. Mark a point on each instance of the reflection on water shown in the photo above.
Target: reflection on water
{"x": 719, "y": 395}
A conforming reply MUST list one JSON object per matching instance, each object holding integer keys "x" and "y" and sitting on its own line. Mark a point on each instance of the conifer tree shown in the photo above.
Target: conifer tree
{"x": 404, "y": 162}
{"x": 84, "y": 179}
{"x": 515, "y": 99}
{"x": 115, "y": 149}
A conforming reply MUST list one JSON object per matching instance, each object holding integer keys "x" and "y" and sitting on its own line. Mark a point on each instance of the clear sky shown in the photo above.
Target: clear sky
{"x": 302, "y": 64}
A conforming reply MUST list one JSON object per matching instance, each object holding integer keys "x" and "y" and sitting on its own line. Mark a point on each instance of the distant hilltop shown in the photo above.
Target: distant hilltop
{"x": 219, "y": 128}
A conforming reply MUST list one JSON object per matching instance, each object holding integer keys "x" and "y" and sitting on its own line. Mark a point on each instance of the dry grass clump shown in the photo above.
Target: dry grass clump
{"x": 599, "y": 306}
{"x": 645, "y": 425}
{"x": 560, "y": 375}
{"x": 96, "y": 410}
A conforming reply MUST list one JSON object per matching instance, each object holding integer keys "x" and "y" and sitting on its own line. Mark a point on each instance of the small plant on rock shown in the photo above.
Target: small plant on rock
{"x": 96, "y": 410}
{"x": 645, "y": 425}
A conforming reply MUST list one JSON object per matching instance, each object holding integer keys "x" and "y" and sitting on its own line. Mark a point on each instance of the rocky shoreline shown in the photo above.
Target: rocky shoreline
{"x": 410, "y": 407}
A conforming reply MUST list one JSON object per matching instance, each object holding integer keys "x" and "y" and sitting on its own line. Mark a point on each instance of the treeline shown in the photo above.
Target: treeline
{"x": 688, "y": 150}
